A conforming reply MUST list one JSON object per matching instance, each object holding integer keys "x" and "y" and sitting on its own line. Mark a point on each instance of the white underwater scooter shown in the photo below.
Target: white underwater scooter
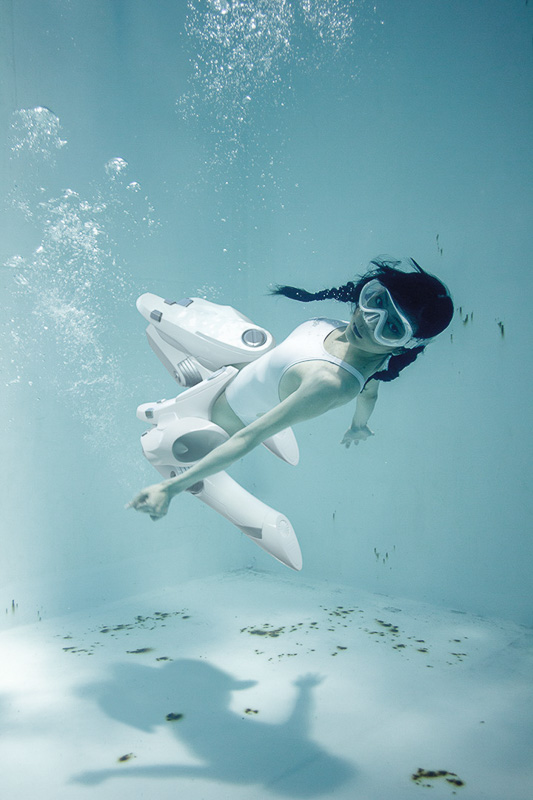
{"x": 198, "y": 342}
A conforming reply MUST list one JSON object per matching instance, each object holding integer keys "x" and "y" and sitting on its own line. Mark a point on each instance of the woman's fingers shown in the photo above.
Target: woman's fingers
{"x": 140, "y": 503}
{"x": 153, "y": 501}
{"x": 347, "y": 441}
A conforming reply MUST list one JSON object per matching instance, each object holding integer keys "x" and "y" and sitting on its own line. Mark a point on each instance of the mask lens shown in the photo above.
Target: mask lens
{"x": 389, "y": 326}
{"x": 394, "y": 328}
{"x": 377, "y": 298}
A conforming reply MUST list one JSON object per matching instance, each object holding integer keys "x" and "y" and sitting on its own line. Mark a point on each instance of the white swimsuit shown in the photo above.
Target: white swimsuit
{"x": 255, "y": 390}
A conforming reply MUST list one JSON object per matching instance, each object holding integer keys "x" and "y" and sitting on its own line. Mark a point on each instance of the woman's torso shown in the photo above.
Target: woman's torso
{"x": 312, "y": 348}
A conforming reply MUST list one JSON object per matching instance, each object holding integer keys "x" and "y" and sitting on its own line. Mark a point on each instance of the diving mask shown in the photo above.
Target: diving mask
{"x": 387, "y": 323}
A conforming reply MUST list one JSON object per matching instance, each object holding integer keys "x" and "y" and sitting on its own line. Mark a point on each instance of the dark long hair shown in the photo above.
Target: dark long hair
{"x": 423, "y": 298}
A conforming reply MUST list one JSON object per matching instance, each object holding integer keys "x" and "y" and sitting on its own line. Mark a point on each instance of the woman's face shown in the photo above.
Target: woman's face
{"x": 359, "y": 334}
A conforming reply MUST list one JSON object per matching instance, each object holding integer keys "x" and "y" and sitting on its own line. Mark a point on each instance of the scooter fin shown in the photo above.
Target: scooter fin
{"x": 269, "y": 529}
{"x": 284, "y": 446}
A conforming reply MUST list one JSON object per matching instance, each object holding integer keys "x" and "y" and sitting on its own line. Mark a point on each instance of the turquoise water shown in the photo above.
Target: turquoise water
{"x": 214, "y": 149}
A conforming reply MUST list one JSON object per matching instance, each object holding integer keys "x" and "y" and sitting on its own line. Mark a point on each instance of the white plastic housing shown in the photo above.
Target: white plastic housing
{"x": 182, "y": 433}
{"x": 215, "y": 335}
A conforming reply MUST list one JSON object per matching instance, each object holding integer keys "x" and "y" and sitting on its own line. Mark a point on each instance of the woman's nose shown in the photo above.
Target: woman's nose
{"x": 372, "y": 318}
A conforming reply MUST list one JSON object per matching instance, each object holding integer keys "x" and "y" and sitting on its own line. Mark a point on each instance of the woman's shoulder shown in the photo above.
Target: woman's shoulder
{"x": 321, "y": 323}
{"x": 325, "y": 376}
{"x": 329, "y": 321}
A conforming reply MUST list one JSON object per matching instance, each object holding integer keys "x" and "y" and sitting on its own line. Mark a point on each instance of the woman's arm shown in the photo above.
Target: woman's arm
{"x": 311, "y": 399}
{"x": 366, "y": 401}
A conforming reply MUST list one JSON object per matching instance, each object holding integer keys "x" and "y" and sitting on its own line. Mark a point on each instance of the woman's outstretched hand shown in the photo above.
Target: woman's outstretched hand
{"x": 153, "y": 500}
{"x": 356, "y": 435}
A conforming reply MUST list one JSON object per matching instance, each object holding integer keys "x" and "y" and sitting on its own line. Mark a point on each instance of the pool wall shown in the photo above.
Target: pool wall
{"x": 168, "y": 148}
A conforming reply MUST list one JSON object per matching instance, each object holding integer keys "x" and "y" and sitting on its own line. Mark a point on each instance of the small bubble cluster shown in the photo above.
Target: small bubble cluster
{"x": 115, "y": 166}
{"x": 243, "y": 54}
{"x": 64, "y": 297}
{"x": 332, "y": 20}
{"x": 36, "y": 131}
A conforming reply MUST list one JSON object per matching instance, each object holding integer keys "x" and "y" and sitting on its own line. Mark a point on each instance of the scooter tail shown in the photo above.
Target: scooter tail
{"x": 268, "y": 528}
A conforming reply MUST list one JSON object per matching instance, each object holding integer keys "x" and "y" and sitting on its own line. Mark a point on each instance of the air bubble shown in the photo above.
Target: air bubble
{"x": 115, "y": 166}
{"x": 36, "y": 131}
{"x": 15, "y": 262}
{"x": 68, "y": 291}
{"x": 222, "y": 6}
{"x": 248, "y": 53}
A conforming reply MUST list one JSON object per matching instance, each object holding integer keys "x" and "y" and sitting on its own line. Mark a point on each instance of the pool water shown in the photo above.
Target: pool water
{"x": 213, "y": 149}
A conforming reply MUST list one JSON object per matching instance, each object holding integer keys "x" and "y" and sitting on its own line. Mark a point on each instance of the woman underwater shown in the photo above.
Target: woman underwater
{"x": 323, "y": 364}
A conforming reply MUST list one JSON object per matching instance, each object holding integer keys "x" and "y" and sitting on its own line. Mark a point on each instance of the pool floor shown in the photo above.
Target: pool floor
{"x": 253, "y": 686}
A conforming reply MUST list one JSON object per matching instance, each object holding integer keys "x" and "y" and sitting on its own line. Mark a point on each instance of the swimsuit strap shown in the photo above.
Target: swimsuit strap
{"x": 335, "y": 360}
{"x": 332, "y": 324}
{"x": 348, "y": 367}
